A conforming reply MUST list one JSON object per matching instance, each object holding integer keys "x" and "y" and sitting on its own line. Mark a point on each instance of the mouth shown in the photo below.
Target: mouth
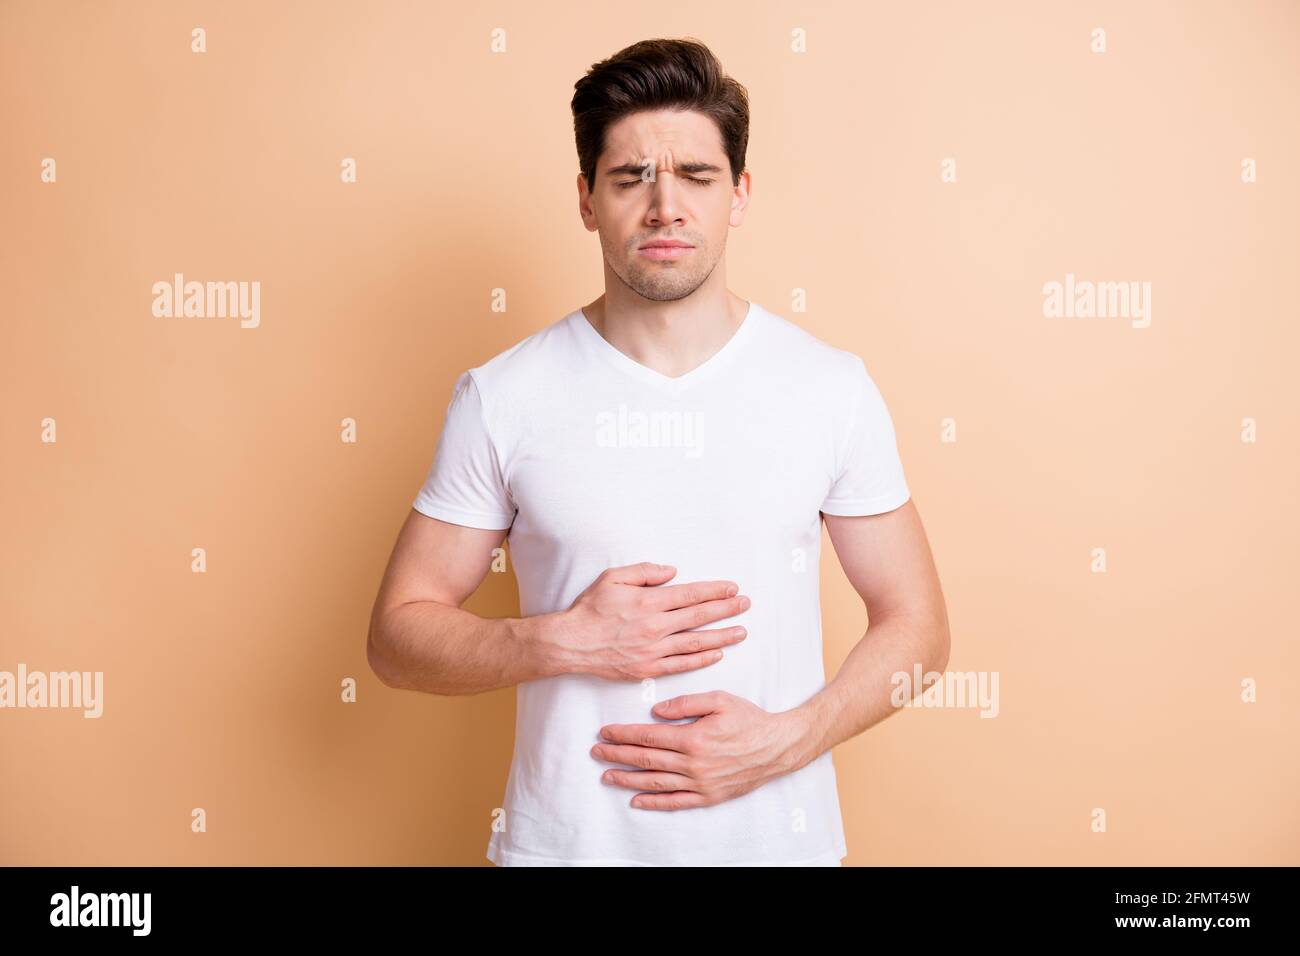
{"x": 666, "y": 249}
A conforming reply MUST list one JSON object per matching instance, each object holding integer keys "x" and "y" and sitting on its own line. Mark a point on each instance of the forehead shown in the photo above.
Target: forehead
{"x": 680, "y": 135}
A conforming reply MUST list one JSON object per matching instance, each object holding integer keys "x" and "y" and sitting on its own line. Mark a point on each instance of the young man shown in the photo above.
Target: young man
{"x": 661, "y": 460}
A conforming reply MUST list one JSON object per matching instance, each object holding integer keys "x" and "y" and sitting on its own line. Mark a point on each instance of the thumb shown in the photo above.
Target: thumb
{"x": 688, "y": 705}
{"x": 644, "y": 573}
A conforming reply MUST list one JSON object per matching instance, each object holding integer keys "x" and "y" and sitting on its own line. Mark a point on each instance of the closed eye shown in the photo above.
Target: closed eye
{"x": 689, "y": 179}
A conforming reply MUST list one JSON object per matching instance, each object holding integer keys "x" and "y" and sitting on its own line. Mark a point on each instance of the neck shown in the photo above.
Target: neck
{"x": 670, "y": 337}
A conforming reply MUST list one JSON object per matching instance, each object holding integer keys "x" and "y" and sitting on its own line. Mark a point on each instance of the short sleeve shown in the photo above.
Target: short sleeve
{"x": 869, "y": 478}
{"x": 465, "y": 485}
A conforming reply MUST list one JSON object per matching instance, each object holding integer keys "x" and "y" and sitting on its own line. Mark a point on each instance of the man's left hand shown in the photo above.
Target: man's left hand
{"x": 734, "y": 747}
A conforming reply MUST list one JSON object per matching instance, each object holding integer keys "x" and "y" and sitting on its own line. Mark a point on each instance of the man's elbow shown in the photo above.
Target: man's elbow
{"x": 926, "y": 624}
{"x": 378, "y": 658}
{"x": 940, "y": 638}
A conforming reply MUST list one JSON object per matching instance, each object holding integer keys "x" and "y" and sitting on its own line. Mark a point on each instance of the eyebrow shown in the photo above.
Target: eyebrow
{"x": 635, "y": 169}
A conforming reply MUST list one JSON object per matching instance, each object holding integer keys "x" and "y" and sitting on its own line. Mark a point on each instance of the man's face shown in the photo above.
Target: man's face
{"x": 663, "y": 176}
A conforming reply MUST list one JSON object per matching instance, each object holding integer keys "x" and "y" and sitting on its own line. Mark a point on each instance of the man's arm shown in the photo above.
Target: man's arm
{"x": 888, "y": 561}
{"x": 421, "y": 639}
{"x": 625, "y": 626}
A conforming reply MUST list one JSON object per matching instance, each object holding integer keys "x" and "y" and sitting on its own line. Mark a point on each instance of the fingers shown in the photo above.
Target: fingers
{"x": 658, "y": 736}
{"x": 688, "y": 618}
{"x": 680, "y": 663}
{"x": 692, "y": 642}
{"x": 656, "y": 781}
{"x": 642, "y": 758}
{"x": 684, "y": 595}
{"x": 678, "y": 800}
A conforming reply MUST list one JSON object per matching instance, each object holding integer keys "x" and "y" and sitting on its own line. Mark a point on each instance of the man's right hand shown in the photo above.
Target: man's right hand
{"x": 625, "y": 627}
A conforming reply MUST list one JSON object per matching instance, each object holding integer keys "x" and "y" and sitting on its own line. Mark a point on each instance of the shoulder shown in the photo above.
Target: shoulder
{"x": 519, "y": 370}
{"x": 814, "y": 360}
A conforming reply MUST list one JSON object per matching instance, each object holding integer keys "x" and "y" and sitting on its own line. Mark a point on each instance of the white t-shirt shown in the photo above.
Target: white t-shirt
{"x": 593, "y": 461}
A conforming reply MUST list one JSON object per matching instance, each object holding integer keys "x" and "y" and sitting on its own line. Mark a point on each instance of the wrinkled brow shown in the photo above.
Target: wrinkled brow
{"x": 634, "y": 169}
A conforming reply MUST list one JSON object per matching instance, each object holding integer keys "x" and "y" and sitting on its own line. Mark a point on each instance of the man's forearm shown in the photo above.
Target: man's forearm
{"x": 861, "y": 695}
{"x": 439, "y": 649}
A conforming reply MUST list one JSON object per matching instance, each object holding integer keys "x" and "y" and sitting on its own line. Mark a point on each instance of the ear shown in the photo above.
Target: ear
{"x": 740, "y": 199}
{"x": 585, "y": 211}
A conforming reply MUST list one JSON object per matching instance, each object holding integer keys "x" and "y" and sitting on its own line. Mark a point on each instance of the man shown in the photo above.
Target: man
{"x": 661, "y": 460}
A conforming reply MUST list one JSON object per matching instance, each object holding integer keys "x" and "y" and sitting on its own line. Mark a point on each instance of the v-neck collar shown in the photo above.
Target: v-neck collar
{"x": 599, "y": 344}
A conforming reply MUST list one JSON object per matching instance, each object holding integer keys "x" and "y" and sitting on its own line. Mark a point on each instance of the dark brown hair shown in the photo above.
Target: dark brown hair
{"x": 658, "y": 74}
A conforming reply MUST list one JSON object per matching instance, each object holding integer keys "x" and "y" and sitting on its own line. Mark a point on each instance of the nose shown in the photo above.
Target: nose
{"x": 665, "y": 204}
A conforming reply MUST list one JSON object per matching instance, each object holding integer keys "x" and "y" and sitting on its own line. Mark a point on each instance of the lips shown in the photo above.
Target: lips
{"x": 666, "y": 249}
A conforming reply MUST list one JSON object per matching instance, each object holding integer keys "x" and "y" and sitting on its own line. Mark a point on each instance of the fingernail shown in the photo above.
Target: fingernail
{"x": 731, "y": 590}
{"x": 744, "y": 603}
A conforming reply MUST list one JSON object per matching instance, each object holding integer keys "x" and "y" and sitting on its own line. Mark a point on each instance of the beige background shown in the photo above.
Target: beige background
{"x": 1118, "y": 690}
